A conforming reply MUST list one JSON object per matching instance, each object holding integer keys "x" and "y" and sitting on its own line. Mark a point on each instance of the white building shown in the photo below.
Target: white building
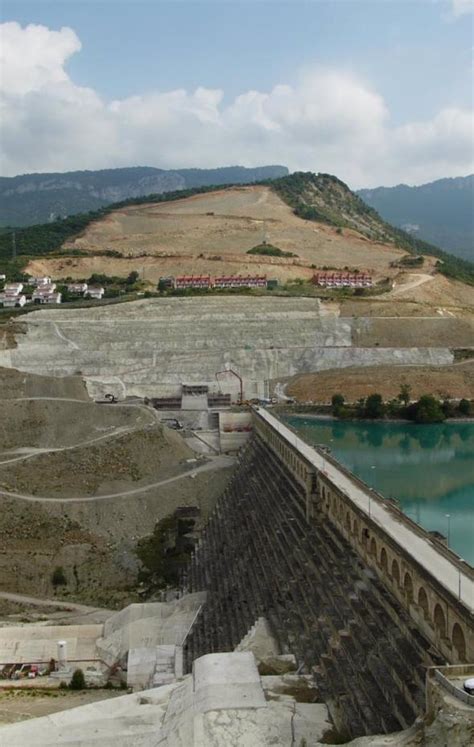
{"x": 77, "y": 287}
{"x": 9, "y": 302}
{"x": 13, "y": 288}
{"x": 46, "y": 294}
{"x": 42, "y": 281}
{"x": 95, "y": 291}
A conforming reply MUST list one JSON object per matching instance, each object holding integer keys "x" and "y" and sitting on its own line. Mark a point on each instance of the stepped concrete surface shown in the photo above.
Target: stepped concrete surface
{"x": 151, "y": 347}
{"x": 224, "y": 702}
{"x": 260, "y": 557}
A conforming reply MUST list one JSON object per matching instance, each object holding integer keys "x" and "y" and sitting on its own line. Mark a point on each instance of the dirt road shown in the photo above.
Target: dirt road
{"x": 214, "y": 463}
{"x": 417, "y": 279}
{"x": 22, "y": 599}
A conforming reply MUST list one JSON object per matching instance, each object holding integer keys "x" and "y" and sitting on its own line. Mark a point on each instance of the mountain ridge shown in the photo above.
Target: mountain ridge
{"x": 46, "y": 197}
{"x": 319, "y": 198}
{"x": 439, "y": 212}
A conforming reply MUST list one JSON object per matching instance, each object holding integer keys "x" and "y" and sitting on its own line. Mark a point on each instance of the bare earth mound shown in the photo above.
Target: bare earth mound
{"x": 353, "y": 383}
{"x": 15, "y": 383}
{"x": 211, "y": 233}
{"x": 60, "y": 423}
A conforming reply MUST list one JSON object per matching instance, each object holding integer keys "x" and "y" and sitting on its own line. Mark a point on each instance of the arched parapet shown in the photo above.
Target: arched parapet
{"x": 423, "y": 602}
{"x": 395, "y": 573}
{"x": 421, "y": 573}
{"x": 458, "y": 640}
{"x": 439, "y": 620}
{"x": 408, "y": 587}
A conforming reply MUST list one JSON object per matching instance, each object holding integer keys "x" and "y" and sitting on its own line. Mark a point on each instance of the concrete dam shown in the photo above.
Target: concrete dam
{"x": 362, "y": 597}
{"x": 150, "y": 348}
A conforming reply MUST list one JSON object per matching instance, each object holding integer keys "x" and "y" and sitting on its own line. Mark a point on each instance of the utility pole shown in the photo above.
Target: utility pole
{"x": 448, "y": 516}
{"x": 13, "y": 246}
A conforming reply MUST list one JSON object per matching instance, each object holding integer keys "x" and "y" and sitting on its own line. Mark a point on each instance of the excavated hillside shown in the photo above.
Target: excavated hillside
{"x": 81, "y": 483}
{"x": 212, "y": 232}
{"x": 456, "y": 380}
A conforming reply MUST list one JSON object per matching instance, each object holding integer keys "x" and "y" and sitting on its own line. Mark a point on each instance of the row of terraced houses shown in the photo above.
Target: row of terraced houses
{"x": 223, "y": 281}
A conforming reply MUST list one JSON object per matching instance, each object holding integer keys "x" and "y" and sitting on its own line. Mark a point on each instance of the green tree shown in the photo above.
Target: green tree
{"x": 167, "y": 551}
{"x": 404, "y": 394}
{"x": 427, "y": 410}
{"x": 393, "y": 407}
{"x": 374, "y": 406}
{"x": 78, "y": 681}
{"x": 58, "y": 577}
{"x": 464, "y": 407}
{"x": 360, "y": 407}
{"x": 448, "y": 408}
{"x": 337, "y": 402}
{"x": 132, "y": 278}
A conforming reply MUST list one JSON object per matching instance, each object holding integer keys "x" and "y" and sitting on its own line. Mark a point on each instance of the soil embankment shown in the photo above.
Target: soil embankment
{"x": 16, "y": 384}
{"x": 457, "y": 381}
{"x": 78, "y": 455}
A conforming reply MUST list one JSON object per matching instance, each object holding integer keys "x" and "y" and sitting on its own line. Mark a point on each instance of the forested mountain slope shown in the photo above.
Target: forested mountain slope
{"x": 440, "y": 212}
{"x": 38, "y": 198}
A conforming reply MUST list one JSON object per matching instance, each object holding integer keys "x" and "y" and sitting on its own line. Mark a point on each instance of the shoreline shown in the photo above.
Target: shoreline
{"x": 315, "y": 416}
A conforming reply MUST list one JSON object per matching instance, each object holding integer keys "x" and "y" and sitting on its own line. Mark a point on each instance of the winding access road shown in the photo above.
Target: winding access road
{"x": 30, "y": 452}
{"x": 214, "y": 463}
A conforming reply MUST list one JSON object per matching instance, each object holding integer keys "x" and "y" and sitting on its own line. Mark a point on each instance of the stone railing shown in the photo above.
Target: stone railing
{"x": 450, "y": 686}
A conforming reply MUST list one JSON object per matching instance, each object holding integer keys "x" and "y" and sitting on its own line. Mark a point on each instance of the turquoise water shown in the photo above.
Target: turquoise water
{"x": 429, "y": 469}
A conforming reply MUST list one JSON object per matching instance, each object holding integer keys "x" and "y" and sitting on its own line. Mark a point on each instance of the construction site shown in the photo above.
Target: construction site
{"x": 288, "y": 626}
{"x": 307, "y": 609}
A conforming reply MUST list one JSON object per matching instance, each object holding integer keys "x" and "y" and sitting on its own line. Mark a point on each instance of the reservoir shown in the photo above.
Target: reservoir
{"x": 429, "y": 469}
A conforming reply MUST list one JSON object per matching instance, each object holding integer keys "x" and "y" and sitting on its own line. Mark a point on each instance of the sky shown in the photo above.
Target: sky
{"x": 376, "y": 92}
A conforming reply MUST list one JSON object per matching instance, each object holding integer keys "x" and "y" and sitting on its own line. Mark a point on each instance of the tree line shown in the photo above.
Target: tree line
{"x": 427, "y": 409}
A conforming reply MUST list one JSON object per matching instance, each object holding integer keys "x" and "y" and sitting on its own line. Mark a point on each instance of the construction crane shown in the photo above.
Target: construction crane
{"x": 234, "y": 373}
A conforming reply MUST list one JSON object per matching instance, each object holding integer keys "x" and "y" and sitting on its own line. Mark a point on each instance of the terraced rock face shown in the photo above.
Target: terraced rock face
{"x": 149, "y": 348}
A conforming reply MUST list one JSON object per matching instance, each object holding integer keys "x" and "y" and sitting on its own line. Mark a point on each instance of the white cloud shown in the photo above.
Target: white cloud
{"x": 328, "y": 120}
{"x": 34, "y": 56}
{"x": 461, "y": 7}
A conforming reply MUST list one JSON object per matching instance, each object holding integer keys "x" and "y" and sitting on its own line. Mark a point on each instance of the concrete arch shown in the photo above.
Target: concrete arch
{"x": 373, "y": 547}
{"x": 365, "y": 536}
{"x": 459, "y": 641}
{"x": 384, "y": 559}
{"x": 423, "y": 602}
{"x": 439, "y": 620}
{"x": 408, "y": 586}
{"x": 396, "y": 572}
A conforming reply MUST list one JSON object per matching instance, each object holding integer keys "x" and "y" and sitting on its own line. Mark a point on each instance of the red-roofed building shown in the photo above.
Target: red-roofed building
{"x": 193, "y": 281}
{"x": 342, "y": 279}
{"x": 240, "y": 281}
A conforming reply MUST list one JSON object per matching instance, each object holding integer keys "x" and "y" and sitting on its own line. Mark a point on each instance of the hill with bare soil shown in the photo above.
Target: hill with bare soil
{"x": 14, "y": 384}
{"x": 81, "y": 483}
{"x": 211, "y": 233}
{"x": 457, "y": 381}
